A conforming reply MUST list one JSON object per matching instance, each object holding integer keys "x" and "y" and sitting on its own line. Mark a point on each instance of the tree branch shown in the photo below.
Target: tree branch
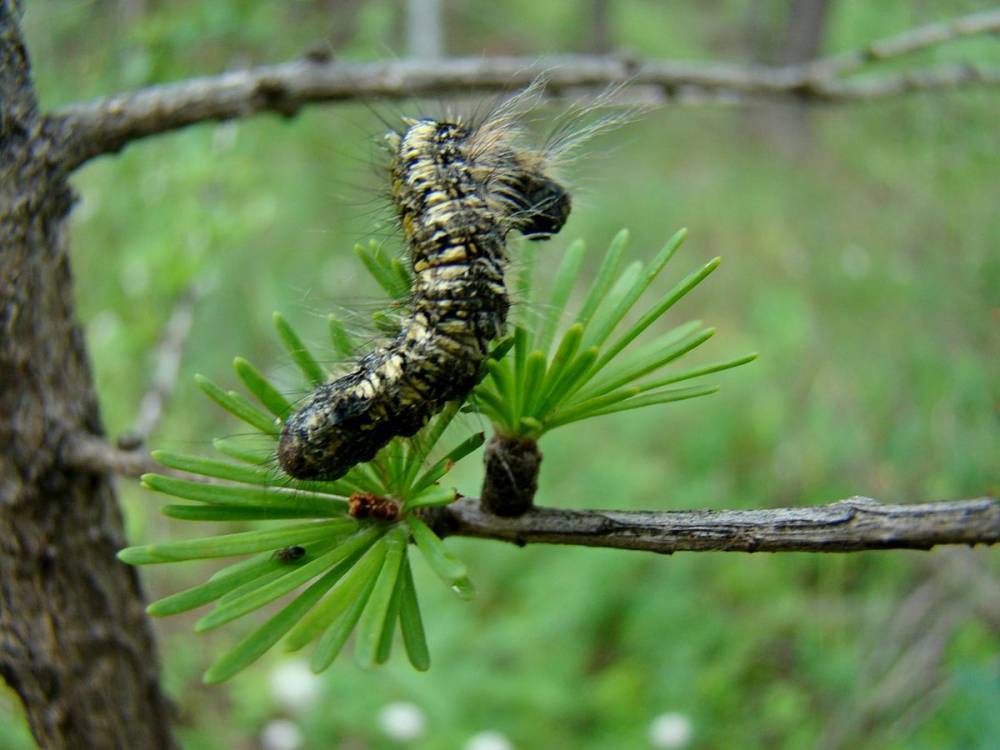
{"x": 851, "y": 525}
{"x": 914, "y": 40}
{"x": 95, "y": 455}
{"x": 935, "y": 78}
{"x": 107, "y": 125}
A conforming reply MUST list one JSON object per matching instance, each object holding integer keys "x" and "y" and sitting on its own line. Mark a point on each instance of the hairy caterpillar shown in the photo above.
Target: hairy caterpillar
{"x": 459, "y": 190}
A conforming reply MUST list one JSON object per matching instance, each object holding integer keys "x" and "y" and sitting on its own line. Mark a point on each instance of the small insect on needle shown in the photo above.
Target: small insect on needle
{"x": 289, "y": 554}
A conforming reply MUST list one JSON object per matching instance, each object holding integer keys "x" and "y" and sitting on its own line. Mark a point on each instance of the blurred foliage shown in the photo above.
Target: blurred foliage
{"x": 865, "y": 258}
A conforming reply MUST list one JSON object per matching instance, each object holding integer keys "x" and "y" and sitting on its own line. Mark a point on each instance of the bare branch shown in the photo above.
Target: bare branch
{"x": 908, "y": 42}
{"x": 851, "y": 525}
{"x": 84, "y": 131}
{"x": 95, "y": 455}
{"x": 935, "y": 78}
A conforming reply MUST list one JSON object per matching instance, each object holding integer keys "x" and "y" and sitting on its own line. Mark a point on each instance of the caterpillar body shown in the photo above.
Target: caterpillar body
{"x": 459, "y": 191}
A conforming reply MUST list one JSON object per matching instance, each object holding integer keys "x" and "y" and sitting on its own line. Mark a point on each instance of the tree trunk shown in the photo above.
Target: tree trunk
{"x": 424, "y": 29}
{"x": 804, "y": 31}
{"x": 600, "y": 27}
{"x": 75, "y": 643}
{"x": 788, "y": 124}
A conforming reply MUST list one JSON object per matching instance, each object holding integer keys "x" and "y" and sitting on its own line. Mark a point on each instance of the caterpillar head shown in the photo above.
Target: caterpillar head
{"x": 518, "y": 180}
{"x": 542, "y": 206}
{"x": 432, "y": 156}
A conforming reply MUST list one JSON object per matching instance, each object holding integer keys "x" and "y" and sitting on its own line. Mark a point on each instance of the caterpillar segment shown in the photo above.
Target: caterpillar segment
{"x": 459, "y": 191}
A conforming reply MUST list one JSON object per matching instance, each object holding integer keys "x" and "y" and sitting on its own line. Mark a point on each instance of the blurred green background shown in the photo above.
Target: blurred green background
{"x": 860, "y": 257}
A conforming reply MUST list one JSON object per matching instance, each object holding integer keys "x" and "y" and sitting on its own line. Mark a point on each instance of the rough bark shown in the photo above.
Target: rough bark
{"x": 75, "y": 643}
{"x": 852, "y": 525}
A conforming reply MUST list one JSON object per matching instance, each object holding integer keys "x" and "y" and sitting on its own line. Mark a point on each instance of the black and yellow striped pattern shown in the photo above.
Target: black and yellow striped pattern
{"x": 459, "y": 192}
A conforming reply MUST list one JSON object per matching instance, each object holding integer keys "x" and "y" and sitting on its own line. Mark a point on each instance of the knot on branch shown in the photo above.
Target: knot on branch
{"x": 272, "y": 94}
{"x": 511, "y": 476}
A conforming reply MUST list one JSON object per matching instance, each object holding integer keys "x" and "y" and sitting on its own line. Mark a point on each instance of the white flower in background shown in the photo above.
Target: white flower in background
{"x": 103, "y": 328}
{"x": 488, "y": 740}
{"x": 281, "y": 734}
{"x": 134, "y": 276}
{"x": 670, "y": 731}
{"x": 402, "y": 721}
{"x": 294, "y": 685}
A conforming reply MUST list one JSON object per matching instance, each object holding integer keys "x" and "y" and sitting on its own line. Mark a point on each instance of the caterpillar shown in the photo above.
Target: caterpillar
{"x": 459, "y": 189}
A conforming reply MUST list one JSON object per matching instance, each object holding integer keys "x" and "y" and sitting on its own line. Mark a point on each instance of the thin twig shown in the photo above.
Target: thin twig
{"x": 95, "y": 455}
{"x": 850, "y": 525}
{"x": 902, "y": 676}
{"x": 167, "y": 358}
{"x": 908, "y": 42}
{"x": 81, "y": 132}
